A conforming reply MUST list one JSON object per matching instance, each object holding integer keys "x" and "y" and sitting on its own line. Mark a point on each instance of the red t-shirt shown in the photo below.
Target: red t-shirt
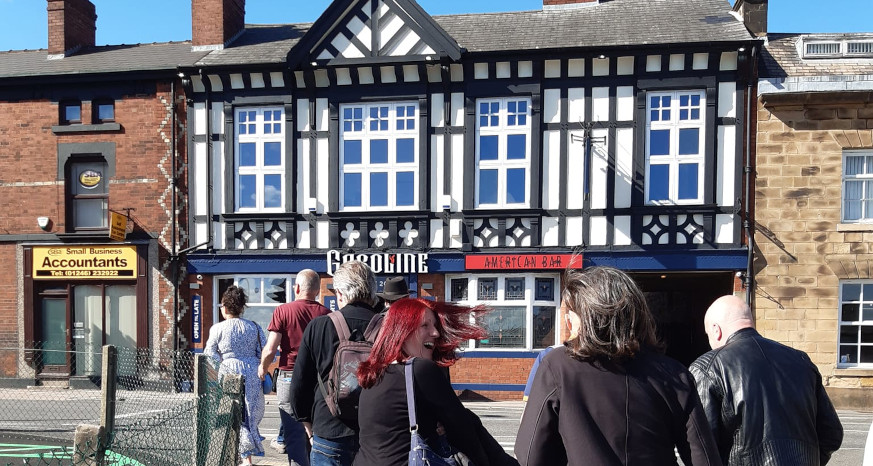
{"x": 289, "y": 320}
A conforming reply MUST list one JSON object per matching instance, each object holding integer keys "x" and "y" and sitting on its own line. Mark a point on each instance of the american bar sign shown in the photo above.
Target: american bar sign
{"x": 85, "y": 262}
{"x": 522, "y": 261}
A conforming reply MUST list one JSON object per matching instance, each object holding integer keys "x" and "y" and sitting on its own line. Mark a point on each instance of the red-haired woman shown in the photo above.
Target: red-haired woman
{"x": 430, "y": 332}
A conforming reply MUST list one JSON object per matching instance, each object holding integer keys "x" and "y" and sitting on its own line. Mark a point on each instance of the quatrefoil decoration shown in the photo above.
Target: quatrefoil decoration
{"x": 408, "y": 234}
{"x": 350, "y": 234}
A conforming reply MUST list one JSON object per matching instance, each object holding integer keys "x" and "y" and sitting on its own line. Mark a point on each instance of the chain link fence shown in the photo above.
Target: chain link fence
{"x": 155, "y": 407}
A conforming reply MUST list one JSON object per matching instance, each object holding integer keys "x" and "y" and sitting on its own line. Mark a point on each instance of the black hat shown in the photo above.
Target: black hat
{"x": 394, "y": 289}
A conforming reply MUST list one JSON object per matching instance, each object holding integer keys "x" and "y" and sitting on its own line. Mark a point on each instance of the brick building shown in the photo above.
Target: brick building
{"x": 814, "y": 205}
{"x": 88, "y": 131}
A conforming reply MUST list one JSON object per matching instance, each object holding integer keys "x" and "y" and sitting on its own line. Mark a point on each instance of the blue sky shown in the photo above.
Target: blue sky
{"x": 23, "y": 23}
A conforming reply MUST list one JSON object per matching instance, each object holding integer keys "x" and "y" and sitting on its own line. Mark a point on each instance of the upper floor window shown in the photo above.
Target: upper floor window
{"x": 503, "y": 152}
{"x": 259, "y": 159}
{"x": 103, "y": 111}
{"x": 263, "y": 294}
{"x": 71, "y": 112}
{"x": 87, "y": 195}
{"x": 836, "y": 47}
{"x": 856, "y": 323}
{"x": 379, "y": 156}
{"x": 524, "y": 308}
{"x": 675, "y": 131}
{"x": 858, "y": 186}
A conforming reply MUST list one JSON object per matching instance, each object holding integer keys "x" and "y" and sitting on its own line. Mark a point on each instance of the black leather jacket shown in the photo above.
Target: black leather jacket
{"x": 766, "y": 404}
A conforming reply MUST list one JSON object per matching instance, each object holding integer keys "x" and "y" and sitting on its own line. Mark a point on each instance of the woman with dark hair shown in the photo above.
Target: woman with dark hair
{"x": 430, "y": 332}
{"x": 609, "y": 396}
{"x": 236, "y": 344}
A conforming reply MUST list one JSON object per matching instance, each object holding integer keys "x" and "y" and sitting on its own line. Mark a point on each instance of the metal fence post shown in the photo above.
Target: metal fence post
{"x": 201, "y": 409}
{"x": 224, "y": 435}
{"x": 109, "y": 382}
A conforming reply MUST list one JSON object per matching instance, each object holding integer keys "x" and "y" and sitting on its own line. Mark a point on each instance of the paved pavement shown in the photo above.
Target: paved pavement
{"x": 502, "y": 419}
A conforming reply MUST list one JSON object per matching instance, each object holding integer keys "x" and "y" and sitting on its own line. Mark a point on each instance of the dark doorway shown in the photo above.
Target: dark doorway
{"x": 679, "y": 302}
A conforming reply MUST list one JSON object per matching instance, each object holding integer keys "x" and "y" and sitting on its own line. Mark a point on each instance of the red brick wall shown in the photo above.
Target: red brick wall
{"x": 493, "y": 371}
{"x": 438, "y": 291}
{"x": 8, "y": 298}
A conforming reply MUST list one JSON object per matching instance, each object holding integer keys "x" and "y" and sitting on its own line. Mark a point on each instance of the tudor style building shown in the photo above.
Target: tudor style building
{"x": 477, "y": 155}
{"x": 91, "y": 136}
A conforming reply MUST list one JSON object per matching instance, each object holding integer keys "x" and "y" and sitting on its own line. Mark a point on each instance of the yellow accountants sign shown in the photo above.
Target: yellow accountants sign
{"x": 84, "y": 262}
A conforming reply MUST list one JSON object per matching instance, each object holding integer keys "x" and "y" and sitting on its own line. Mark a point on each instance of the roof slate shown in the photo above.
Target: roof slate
{"x": 781, "y": 58}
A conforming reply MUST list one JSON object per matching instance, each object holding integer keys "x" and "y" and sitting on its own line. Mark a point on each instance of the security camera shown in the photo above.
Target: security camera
{"x": 199, "y": 277}
{"x": 740, "y": 274}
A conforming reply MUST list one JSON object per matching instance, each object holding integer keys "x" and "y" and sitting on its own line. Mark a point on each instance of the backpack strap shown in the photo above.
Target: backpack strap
{"x": 410, "y": 395}
{"x": 342, "y": 327}
{"x": 373, "y": 327}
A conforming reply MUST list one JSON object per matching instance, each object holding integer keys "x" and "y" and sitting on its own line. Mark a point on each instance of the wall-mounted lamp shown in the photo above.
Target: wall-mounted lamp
{"x": 43, "y": 223}
{"x": 601, "y": 56}
{"x": 741, "y": 49}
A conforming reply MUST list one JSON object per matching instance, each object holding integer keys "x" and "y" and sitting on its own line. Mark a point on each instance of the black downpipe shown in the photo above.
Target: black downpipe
{"x": 747, "y": 223}
{"x": 209, "y": 186}
{"x": 174, "y": 257}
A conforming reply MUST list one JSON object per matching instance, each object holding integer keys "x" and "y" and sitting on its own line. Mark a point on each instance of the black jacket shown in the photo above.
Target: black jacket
{"x": 766, "y": 404}
{"x": 635, "y": 413}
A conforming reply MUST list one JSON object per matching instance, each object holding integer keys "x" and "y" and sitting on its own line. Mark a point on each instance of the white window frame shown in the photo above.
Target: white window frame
{"x": 866, "y": 180}
{"x": 256, "y": 302}
{"x": 502, "y": 130}
{"x": 529, "y": 302}
{"x": 674, "y": 124}
{"x": 259, "y": 138}
{"x": 860, "y": 323}
{"x": 392, "y": 134}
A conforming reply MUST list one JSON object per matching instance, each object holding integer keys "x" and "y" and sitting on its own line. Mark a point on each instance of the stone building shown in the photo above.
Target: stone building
{"x": 814, "y": 205}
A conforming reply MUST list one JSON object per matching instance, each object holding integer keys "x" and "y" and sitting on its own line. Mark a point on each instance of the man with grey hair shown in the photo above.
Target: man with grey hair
{"x": 764, "y": 401}
{"x": 334, "y": 442}
{"x": 286, "y": 331}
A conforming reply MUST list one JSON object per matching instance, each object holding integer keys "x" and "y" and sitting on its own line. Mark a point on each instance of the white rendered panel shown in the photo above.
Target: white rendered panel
{"x": 480, "y": 70}
{"x": 455, "y": 233}
{"x": 576, "y": 169}
{"x": 622, "y": 235}
{"x": 576, "y": 67}
{"x": 551, "y": 168}
{"x": 598, "y": 231}
{"x": 700, "y": 61}
{"x": 257, "y": 80}
{"x": 365, "y": 75}
{"x": 457, "y": 180}
{"x": 434, "y": 73}
{"x": 216, "y": 84}
{"x": 345, "y": 47}
{"x": 324, "y": 55}
{"x": 321, "y": 114}
{"x": 727, "y": 100}
{"x": 302, "y": 174}
{"x": 437, "y": 110}
{"x": 389, "y": 29}
{"x": 550, "y": 231}
{"x": 727, "y": 162}
{"x": 437, "y": 166}
{"x": 504, "y": 70}
{"x": 304, "y": 235}
{"x": 217, "y": 116}
{"x": 343, "y": 77}
{"x": 277, "y": 79}
{"x": 525, "y": 69}
{"x": 600, "y": 104}
{"x": 624, "y": 163}
{"x": 197, "y": 84}
{"x": 321, "y": 78}
{"x": 322, "y": 188}
{"x": 200, "y": 118}
{"x": 653, "y": 63}
{"x": 552, "y": 106}
{"x": 410, "y": 73}
{"x": 599, "y": 169}
{"x": 724, "y": 228}
{"x": 625, "y": 103}
{"x": 677, "y": 62}
{"x": 436, "y": 234}
{"x": 457, "y": 109}
{"x": 387, "y": 74}
{"x": 299, "y": 80}
{"x": 322, "y": 235}
{"x": 361, "y": 31}
{"x": 553, "y": 69}
{"x": 576, "y": 102}
{"x": 625, "y": 65}
{"x": 406, "y": 43}
{"x": 457, "y": 72}
{"x": 303, "y": 115}
{"x": 574, "y": 231}
{"x": 600, "y": 67}
{"x": 728, "y": 61}
{"x": 200, "y": 193}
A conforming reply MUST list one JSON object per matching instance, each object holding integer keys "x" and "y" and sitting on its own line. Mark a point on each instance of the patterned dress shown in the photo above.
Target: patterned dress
{"x": 235, "y": 344}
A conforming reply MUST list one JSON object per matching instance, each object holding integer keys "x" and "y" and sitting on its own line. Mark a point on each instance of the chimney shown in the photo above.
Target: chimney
{"x": 567, "y": 4}
{"x": 754, "y": 15}
{"x": 214, "y": 23}
{"x": 72, "y": 24}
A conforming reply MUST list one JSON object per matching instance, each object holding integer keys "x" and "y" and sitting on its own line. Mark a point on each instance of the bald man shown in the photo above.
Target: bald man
{"x": 764, "y": 401}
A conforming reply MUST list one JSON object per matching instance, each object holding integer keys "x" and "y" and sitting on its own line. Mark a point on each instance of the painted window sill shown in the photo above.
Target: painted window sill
{"x": 854, "y": 372}
{"x": 99, "y": 128}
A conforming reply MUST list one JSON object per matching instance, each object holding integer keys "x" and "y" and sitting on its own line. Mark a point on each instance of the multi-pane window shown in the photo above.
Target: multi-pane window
{"x": 264, "y": 294}
{"x": 379, "y": 156}
{"x": 858, "y": 186}
{"x": 523, "y": 308}
{"x": 503, "y": 152}
{"x": 856, "y": 323}
{"x": 675, "y": 131}
{"x": 88, "y": 194}
{"x": 259, "y": 159}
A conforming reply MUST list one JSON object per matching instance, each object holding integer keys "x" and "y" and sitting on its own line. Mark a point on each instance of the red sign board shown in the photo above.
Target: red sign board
{"x": 522, "y": 261}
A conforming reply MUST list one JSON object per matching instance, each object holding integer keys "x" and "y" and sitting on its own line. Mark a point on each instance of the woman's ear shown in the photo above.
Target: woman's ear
{"x": 574, "y": 324}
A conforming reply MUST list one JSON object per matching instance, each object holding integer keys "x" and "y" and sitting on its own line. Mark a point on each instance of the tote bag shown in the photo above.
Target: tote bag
{"x": 420, "y": 453}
